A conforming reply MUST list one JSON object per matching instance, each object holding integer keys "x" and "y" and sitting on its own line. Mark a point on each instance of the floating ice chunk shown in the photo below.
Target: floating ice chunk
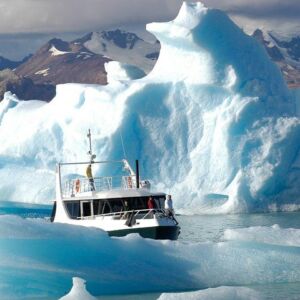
{"x": 219, "y": 293}
{"x": 78, "y": 291}
{"x": 270, "y": 235}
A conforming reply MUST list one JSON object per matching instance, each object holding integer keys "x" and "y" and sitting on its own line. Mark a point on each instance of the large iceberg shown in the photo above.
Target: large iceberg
{"x": 213, "y": 123}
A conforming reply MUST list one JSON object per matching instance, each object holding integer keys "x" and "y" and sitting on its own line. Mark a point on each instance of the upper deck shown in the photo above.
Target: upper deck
{"x": 89, "y": 186}
{"x": 85, "y": 187}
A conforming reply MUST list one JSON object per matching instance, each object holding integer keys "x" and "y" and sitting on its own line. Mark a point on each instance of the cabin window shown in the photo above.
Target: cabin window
{"x": 160, "y": 201}
{"x": 98, "y": 207}
{"x": 73, "y": 209}
{"x": 140, "y": 203}
{"x": 86, "y": 208}
{"x": 116, "y": 205}
{"x": 106, "y": 208}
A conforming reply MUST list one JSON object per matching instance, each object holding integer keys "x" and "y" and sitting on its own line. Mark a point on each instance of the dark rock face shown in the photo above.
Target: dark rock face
{"x": 60, "y": 62}
{"x": 24, "y": 88}
{"x": 9, "y": 64}
{"x": 121, "y": 38}
{"x": 286, "y": 54}
{"x": 292, "y": 46}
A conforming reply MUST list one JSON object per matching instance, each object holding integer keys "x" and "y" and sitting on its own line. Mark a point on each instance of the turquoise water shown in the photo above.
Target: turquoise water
{"x": 199, "y": 229}
{"x": 211, "y": 227}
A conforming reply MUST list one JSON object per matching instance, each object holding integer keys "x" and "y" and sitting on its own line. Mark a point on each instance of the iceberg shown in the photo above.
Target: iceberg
{"x": 262, "y": 234}
{"x": 214, "y": 123}
{"x": 219, "y": 293}
{"x": 38, "y": 260}
{"x": 78, "y": 291}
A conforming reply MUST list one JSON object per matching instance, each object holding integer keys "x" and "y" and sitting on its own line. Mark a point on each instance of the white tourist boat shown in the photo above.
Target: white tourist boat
{"x": 117, "y": 204}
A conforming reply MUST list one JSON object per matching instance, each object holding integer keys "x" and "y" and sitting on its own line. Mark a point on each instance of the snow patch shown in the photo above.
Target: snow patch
{"x": 55, "y": 52}
{"x": 43, "y": 72}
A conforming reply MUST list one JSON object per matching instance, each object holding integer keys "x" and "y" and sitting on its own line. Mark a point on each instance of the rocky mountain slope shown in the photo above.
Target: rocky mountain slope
{"x": 62, "y": 62}
{"x": 23, "y": 87}
{"x": 285, "y": 52}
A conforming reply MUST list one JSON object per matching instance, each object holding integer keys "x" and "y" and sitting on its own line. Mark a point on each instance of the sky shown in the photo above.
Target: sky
{"x": 25, "y": 24}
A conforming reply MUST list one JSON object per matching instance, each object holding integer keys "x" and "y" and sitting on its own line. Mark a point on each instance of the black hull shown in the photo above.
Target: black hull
{"x": 157, "y": 233}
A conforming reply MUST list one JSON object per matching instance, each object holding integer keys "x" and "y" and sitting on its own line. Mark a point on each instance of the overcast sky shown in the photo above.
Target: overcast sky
{"x": 80, "y": 15}
{"x": 85, "y": 15}
{"x": 71, "y": 16}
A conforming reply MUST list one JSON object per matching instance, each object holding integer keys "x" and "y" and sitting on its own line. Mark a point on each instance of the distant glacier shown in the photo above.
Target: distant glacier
{"x": 213, "y": 123}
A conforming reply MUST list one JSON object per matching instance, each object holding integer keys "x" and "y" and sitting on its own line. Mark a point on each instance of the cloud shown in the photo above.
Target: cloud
{"x": 20, "y": 16}
{"x": 28, "y": 16}
{"x": 259, "y": 9}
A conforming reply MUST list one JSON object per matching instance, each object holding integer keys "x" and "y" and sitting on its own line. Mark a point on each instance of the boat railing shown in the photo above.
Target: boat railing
{"x": 137, "y": 214}
{"x": 81, "y": 185}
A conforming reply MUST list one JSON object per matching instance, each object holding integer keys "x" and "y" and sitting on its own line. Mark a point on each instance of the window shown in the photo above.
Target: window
{"x": 86, "y": 208}
{"x": 116, "y": 205}
{"x": 160, "y": 201}
{"x": 98, "y": 206}
{"x": 106, "y": 208}
{"x": 73, "y": 209}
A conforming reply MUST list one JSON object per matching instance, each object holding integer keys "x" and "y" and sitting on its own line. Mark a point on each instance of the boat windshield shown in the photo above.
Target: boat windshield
{"x": 96, "y": 207}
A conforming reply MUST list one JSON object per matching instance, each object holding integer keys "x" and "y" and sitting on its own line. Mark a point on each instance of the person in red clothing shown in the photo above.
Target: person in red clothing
{"x": 150, "y": 203}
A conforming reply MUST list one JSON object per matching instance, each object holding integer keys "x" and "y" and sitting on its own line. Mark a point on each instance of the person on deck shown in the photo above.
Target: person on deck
{"x": 150, "y": 203}
{"x": 89, "y": 175}
{"x": 169, "y": 206}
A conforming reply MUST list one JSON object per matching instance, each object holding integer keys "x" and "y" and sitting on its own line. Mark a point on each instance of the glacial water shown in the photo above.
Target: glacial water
{"x": 202, "y": 230}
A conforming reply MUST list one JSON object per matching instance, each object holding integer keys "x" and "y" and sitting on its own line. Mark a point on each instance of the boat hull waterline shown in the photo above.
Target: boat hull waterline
{"x": 157, "y": 233}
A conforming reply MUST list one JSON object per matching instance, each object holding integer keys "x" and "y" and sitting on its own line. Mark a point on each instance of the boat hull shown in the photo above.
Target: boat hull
{"x": 157, "y": 233}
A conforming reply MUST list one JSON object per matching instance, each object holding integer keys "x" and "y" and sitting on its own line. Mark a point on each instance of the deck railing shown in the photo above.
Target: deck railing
{"x": 137, "y": 213}
{"x": 98, "y": 184}
{"x": 133, "y": 215}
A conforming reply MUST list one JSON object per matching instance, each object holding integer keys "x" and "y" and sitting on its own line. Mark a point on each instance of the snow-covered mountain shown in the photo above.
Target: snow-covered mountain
{"x": 284, "y": 51}
{"x": 83, "y": 60}
{"x": 124, "y": 47}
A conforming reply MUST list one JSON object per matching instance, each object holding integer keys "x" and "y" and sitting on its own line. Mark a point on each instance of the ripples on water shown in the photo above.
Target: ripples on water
{"x": 205, "y": 228}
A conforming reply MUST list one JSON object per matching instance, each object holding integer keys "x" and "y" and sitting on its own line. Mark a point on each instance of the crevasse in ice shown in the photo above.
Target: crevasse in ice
{"x": 213, "y": 123}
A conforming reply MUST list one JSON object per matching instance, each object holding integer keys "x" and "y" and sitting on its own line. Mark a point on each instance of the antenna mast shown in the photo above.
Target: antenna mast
{"x": 90, "y": 152}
